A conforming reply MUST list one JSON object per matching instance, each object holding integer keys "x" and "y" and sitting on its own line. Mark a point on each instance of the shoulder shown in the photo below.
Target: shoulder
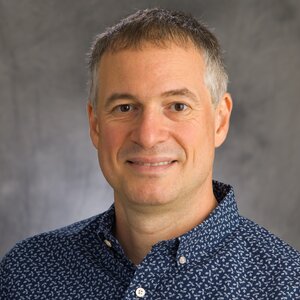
{"x": 259, "y": 240}
{"x": 43, "y": 258}
{"x": 47, "y": 246}
{"x": 261, "y": 261}
{"x": 51, "y": 238}
{"x": 266, "y": 255}
{"x": 54, "y": 259}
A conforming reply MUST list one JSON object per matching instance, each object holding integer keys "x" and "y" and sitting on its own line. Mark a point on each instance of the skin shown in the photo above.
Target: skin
{"x": 156, "y": 130}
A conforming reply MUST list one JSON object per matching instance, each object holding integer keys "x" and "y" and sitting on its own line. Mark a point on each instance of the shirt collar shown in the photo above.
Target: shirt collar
{"x": 207, "y": 238}
{"x": 203, "y": 240}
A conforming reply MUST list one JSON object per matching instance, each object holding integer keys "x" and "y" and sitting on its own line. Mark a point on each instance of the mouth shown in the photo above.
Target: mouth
{"x": 152, "y": 164}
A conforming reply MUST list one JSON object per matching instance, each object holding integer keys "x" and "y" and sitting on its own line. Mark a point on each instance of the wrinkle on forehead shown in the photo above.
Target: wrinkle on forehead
{"x": 151, "y": 71}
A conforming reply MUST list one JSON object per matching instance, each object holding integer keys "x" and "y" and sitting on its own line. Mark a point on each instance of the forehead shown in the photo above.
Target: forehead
{"x": 151, "y": 70}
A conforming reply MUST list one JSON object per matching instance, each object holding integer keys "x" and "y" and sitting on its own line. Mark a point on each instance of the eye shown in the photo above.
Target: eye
{"x": 179, "y": 106}
{"x": 124, "y": 108}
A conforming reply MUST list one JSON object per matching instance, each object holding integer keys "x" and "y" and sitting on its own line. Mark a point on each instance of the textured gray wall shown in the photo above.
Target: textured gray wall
{"x": 49, "y": 174}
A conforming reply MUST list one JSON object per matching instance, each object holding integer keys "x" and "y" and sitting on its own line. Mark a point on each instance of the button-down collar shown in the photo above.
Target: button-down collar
{"x": 200, "y": 242}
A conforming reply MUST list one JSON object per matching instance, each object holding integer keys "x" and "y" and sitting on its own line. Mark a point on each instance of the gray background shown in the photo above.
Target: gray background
{"x": 49, "y": 175}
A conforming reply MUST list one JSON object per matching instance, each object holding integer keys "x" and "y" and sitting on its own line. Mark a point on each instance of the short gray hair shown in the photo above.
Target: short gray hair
{"x": 159, "y": 27}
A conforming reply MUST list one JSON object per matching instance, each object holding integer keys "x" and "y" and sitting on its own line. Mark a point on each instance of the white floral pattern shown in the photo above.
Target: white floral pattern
{"x": 225, "y": 257}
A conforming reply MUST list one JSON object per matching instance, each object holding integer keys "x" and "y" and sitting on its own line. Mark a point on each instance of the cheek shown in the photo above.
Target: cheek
{"x": 111, "y": 139}
{"x": 195, "y": 132}
{"x": 197, "y": 138}
{"x": 110, "y": 142}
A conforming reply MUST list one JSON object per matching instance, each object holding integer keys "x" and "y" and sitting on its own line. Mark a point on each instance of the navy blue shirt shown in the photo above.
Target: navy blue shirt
{"x": 225, "y": 257}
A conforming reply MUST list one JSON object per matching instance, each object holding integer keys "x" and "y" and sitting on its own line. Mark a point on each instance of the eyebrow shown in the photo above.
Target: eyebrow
{"x": 181, "y": 92}
{"x": 177, "y": 92}
{"x": 118, "y": 96}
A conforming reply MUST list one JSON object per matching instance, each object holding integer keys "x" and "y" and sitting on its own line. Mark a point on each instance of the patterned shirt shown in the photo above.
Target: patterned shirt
{"x": 225, "y": 257}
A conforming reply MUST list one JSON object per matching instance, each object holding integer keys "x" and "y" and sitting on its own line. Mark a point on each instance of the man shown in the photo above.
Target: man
{"x": 158, "y": 108}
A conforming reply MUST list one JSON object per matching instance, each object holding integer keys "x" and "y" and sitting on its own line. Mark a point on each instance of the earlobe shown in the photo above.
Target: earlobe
{"x": 222, "y": 119}
{"x": 94, "y": 126}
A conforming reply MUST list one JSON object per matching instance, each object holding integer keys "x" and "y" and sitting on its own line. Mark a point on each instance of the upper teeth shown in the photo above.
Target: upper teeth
{"x": 154, "y": 164}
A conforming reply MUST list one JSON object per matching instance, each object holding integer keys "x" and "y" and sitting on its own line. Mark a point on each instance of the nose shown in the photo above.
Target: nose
{"x": 150, "y": 129}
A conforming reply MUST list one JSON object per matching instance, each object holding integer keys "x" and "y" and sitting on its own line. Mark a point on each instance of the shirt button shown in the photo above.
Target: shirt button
{"x": 108, "y": 243}
{"x": 182, "y": 260}
{"x": 140, "y": 292}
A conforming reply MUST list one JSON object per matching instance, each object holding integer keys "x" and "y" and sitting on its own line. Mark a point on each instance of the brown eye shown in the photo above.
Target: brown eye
{"x": 179, "y": 106}
{"x": 125, "y": 107}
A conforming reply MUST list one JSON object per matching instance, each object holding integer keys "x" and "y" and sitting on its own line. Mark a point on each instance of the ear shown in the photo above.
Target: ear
{"x": 222, "y": 119}
{"x": 94, "y": 126}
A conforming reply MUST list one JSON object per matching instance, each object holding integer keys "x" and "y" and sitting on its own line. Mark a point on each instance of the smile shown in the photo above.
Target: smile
{"x": 154, "y": 164}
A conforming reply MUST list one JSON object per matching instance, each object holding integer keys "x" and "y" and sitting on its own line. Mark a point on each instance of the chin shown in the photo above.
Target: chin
{"x": 149, "y": 197}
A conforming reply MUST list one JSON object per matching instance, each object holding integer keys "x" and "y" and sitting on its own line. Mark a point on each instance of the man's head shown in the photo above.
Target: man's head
{"x": 155, "y": 126}
{"x": 161, "y": 27}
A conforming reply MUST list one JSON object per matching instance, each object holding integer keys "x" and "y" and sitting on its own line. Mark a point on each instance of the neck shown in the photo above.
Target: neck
{"x": 140, "y": 226}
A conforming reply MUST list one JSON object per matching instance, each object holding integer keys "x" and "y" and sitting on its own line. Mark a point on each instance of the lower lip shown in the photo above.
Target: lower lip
{"x": 150, "y": 169}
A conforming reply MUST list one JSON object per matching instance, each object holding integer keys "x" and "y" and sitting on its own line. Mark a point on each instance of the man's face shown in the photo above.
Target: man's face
{"x": 155, "y": 127}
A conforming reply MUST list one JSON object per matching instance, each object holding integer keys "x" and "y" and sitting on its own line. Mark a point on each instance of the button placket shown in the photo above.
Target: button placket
{"x": 148, "y": 274}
